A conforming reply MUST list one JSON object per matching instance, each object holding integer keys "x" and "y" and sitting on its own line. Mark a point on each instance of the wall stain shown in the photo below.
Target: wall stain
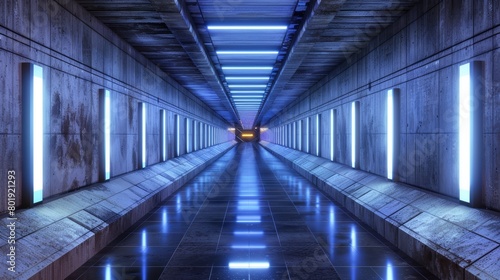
{"x": 56, "y": 105}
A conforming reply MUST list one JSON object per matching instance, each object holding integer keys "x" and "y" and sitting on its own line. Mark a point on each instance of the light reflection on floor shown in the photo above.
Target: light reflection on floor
{"x": 248, "y": 216}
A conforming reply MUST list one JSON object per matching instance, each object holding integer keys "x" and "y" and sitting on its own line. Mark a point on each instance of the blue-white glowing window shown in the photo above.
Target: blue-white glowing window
{"x": 332, "y": 134}
{"x": 299, "y": 135}
{"x": 354, "y": 133}
{"x": 38, "y": 131}
{"x": 188, "y": 132}
{"x": 317, "y": 133}
{"x": 465, "y": 131}
{"x": 143, "y": 133}
{"x": 294, "y": 135}
{"x": 390, "y": 133}
{"x": 195, "y": 135}
{"x": 178, "y": 135}
{"x": 163, "y": 123}
{"x": 107, "y": 135}
{"x": 308, "y": 132}
{"x": 249, "y": 265}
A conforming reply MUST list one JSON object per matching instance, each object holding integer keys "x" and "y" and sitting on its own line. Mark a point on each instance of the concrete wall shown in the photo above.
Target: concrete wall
{"x": 80, "y": 56}
{"x": 419, "y": 54}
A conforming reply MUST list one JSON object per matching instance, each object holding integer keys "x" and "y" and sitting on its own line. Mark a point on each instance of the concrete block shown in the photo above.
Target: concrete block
{"x": 485, "y": 268}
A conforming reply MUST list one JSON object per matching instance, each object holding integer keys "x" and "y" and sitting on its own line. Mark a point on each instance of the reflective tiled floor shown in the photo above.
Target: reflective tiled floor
{"x": 248, "y": 216}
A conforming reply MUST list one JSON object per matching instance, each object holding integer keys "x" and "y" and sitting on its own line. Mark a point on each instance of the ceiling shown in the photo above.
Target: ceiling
{"x": 247, "y": 60}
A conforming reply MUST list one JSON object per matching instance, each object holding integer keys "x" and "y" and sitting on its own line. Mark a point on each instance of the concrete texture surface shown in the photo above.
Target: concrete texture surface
{"x": 419, "y": 54}
{"x": 451, "y": 240}
{"x": 80, "y": 56}
{"x": 55, "y": 238}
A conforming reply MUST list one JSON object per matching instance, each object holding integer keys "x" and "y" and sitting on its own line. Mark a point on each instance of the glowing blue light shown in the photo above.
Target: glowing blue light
{"x": 353, "y": 134}
{"x": 144, "y": 245}
{"x": 332, "y": 134}
{"x": 37, "y": 97}
{"x": 247, "y": 78}
{"x": 390, "y": 133}
{"x": 247, "y": 86}
{"x": 143, "y": 134}
{"x": 107, "y": 275}
{"x": 317, "y": 134}
{"x": 248, "y": 233}
{"x": 247, "y": 52}
{"x": 178, "y": 134}
{"x": 247, "y": 27}
{"x": 164, "y": 221}
{"x": 188, "y": 148}
{"x": 246, "y": 68}
{"x": 308, "y": 120}
{"x": 164, "y": 135}
{"x": 389, "y": 272}
{"x": 464, "y": 134}
{"x": 248, "y": 265}
{"x": 248, "y": 246}
{"x": 107, "y": 135}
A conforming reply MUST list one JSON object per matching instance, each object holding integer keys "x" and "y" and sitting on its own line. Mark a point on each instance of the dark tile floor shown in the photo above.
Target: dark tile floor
{"x": 248, "y": 216}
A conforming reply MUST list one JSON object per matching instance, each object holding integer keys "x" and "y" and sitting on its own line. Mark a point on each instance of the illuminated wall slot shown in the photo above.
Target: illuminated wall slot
{"x": 33, "y": 130}
{"x": 471, "y": 94}
{"x": 195, "y": 136}
{"x": 142, "y": 134}
{"x": 294, "y": 135}
{"x": 163, "y": 136}
{"x": 299, "y": 135}
{"x": 355, "y": 134}
{"x": 187, "y": 127}
{"x": 308, "y": 132}
{"x": 105, "y": 134}
{"x": 392, "y": 132}
{"x": 177, "y": 135}
{"x": 318, "y": 133}
{"x": 332, "y": 134}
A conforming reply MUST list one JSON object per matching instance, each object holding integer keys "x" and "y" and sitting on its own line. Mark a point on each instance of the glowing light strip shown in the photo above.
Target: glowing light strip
{"x": 307, "y": 134}
{"x": 247, "y": 135}
{"x": 195, "y": 138}
{"x": 353, "y": 134}
{"x": 107, "y": 135}
{"x": 178, "y": 134}
{"x": 188, "y": 149}
{"x": 247, "y": 78}
{"x": 37, "y": 97}
{"x": 390, "y": 133}
{"x": 247, "y": 86}
{"x": 464, "y": 134}
{"x": 248, "y": 246}
{"x": 248, "y": 52}
{"x": 247, "y": 27}
{"x": 143, "y": 134}
{"x": 317, "y": 134}
{"x": 248, "y": 91}
{"x": 164, "y": 134}
{"x": 248, "y": 232}
{"x": 332, "y": 134}
{"x": 249, "y": 265}
{"x": 246, "y": 68}
{"x": 248, "y": 219}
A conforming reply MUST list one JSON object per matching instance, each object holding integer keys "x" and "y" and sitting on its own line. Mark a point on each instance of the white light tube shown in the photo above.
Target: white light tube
{"x": 38, "y": 131}
{"x": 464, "y": 134}
{"x": 390, "y": 133}
{"x": 107, "y": 135}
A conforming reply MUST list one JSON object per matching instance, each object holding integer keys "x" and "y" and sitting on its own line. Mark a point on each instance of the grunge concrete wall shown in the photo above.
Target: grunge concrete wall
{"x": 79, "y": 56}
{"x": 419, "y": 54}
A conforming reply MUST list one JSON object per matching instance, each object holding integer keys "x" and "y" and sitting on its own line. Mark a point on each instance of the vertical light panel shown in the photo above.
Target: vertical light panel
{"x": 318, "y": 134}
{"x": 332, "y": 134}
{"x": 188, "y": 148}
{"x": 354, "y": 134}
{"x": 308, "y": 132}
{"x": 392, "y": 132}
{"x": 142, "y": 135}
{"x": 177, "y": 135}
{"x": 294, "y": 135}
{"x": 33, "y": 130}
{"x": 105, "y": 135}
{"x": 299, "y": 135}
{"x": 163, "y": 138}
{"x": 195, "y": 136}
{"x": 471, "y": 91}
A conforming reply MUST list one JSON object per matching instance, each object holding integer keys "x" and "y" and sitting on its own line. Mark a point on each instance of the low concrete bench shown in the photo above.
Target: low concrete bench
{"x": 55, "y": 238}
{"x": 451, "y": 240}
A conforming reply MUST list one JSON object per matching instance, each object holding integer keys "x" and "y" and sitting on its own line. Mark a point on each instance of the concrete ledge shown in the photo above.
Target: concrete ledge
{"x": 451, "y": 240}
{"x": 55, "y": 238}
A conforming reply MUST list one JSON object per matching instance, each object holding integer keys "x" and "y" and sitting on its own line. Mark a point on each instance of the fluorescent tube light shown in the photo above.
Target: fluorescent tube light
{"x": 246, "y": 27}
